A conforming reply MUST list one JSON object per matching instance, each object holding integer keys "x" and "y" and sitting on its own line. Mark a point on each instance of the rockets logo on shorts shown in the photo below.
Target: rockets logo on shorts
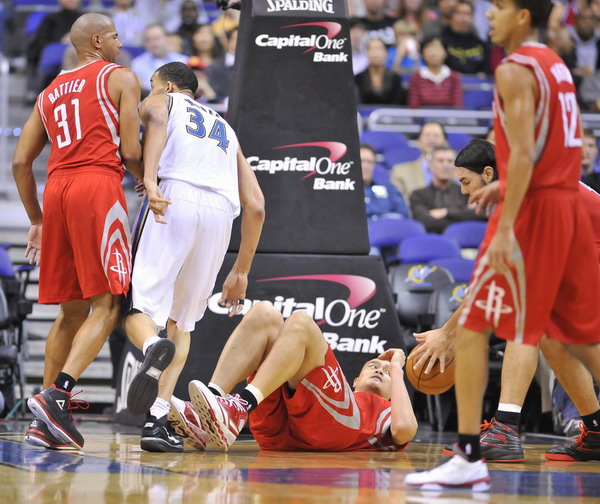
{"x": 116, "y": 246}
{"x": 493, "y": 304}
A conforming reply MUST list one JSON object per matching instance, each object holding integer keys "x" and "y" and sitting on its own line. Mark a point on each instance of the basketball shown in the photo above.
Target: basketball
{"x": 435, "y": 382}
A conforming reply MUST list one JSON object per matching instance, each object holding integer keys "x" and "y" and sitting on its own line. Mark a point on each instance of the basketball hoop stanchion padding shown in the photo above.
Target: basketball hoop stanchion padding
{"x": 292, "y": 104}
{"x": 293, "y": 107}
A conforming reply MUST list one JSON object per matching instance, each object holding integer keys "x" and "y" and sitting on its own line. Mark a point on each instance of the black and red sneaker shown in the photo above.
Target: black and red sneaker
{"x": 584, "y": 449}
{"x": 54, "y": 406}
{"x": 38, "y": 434}
{"x": 498, "y": 442}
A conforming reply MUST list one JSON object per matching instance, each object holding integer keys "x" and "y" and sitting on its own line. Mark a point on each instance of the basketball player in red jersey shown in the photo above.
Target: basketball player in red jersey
{"x": 499, "y": 438}
{"x": 89, "y": 115}
{"x": 297, "y": 396}
{"x": 538, "y": 256}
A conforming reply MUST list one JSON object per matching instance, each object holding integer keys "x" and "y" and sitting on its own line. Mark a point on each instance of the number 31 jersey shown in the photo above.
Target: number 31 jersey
{"x": 81, "y": 120}
{"x": 557, "y": 131}
{"x": 201, "y": 149}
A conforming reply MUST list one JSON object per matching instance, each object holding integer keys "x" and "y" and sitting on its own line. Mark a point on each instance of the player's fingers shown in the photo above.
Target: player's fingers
{"x": 421, "y": 361}
{"x": 442, "y": 364}
{"x": 430, "y": 364}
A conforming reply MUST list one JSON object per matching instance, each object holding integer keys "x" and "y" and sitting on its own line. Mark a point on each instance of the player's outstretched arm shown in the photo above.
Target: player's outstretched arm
{"x": 30, "y": 145}
{"x": 155, "y": 116}
{"x": 253, "y": 217}
{"x": 122, "y": 83}
{"x": 519, "y": 108}
{"x": 404, "y": 423}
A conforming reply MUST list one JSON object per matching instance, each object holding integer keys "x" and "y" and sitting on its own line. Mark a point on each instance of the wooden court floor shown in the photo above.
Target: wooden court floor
{"x": 113, "y": 469}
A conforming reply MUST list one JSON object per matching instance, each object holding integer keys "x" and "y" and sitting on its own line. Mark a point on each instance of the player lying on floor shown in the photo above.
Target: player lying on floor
{"x": 297, "y": 394}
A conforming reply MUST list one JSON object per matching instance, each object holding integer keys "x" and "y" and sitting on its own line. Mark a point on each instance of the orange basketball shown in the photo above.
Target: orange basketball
{"x": 433, "y": 383}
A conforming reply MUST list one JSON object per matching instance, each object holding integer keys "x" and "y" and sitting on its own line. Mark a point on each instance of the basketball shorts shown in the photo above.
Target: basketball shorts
{"x": 555, "y": 275}
{"x": 85, "y": 237}
{"x": 176, "y": 264}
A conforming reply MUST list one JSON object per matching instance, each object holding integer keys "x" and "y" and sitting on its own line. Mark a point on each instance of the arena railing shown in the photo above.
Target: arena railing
{"x": 473, "y": 122}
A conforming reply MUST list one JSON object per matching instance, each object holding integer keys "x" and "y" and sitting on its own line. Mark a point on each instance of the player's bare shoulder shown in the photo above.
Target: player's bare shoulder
{"x": 514, "y": 79}
{"x": 122, "y": 80}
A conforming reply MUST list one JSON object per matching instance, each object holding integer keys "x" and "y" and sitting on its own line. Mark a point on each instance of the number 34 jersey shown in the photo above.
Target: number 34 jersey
{"x": 557, "y": 131}
{"x": 81, "y": 120}
{"x": 201, "y": 149}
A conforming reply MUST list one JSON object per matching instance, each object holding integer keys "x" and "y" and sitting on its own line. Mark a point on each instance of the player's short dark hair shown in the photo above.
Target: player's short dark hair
{"x": 476, "y": 156}
{"x": 179, "y": 74}
{"x": 539, "y": 10}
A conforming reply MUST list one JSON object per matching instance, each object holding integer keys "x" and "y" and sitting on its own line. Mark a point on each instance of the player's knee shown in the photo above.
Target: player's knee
{"x": 265, "y": 314}
{"x": 301, "y": 325}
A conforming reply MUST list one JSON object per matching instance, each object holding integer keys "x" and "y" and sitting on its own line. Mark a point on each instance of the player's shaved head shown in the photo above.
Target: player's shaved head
{"x": 86, "y": 27}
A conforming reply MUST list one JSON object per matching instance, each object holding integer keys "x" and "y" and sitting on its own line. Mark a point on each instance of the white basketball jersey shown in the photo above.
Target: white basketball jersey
{"x": 201, "y": 149}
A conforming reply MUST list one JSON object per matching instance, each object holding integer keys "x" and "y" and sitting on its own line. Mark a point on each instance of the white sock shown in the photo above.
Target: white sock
{"x": 149, "y": 342}
{"x": 178, "y": 403}
{"x": 509, "y": 408}
{"x": 217, "y": 388}
{"x": 160, "y": 408}
{"x": 256, "y": 393}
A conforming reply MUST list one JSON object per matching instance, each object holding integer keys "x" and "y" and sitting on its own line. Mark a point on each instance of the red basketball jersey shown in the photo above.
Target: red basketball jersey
{"x": 591, "y": 202}
{"x": 557, "y": 130}
{"x": 81, "y": 120}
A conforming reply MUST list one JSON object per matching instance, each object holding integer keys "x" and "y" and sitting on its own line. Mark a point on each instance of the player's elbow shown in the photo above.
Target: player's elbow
{"x": 131, "y": 155}
{"x": 404, "y": 431}
{"x": 255, "y": 207}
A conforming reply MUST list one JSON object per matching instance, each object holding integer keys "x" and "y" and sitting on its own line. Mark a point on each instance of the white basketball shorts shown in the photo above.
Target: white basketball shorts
{"x": 176, "y": 264}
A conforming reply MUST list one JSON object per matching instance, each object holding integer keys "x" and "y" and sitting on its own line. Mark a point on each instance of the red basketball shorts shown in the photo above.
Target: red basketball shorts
{"x": 555, "y": 275}
{"x": 85, "y": 237}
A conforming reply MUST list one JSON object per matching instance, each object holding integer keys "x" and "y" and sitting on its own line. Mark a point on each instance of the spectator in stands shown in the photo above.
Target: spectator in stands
{"x": 404, "y": 57}
{"x": 589, "y": 92}
{"x": 224, "y": 24}
{"x": 189, "y": 25}
{"x": 54, "y": 27}
{"x": 381, "y": 200}
{"x": 590, "y": 170}
{"x": 168, "y": 12}
{"x": 206, "y": 47}
{"x": 415, "y": 11}
{"x": 220, "y": 71}
{"x": 586, "y": 45}
{"x": 358, "y": 35}
{"x": 435, "y": 85}
{"x": 435, "y": 27}
{"x": 441, "y": 203}
{"x": 589, "y": 161}
{"x": 467, "y": 53}
{"x": 480, "y": 21}
{"x": 415, "y": 174}
{"x": 156, "y": 55}
{"x": 595, "y": 7}
{"x": 378, "y": 84}
{"x": 204, "y": 93}
{"x": 378, "y": 24}
{"x": 130, "y": 21}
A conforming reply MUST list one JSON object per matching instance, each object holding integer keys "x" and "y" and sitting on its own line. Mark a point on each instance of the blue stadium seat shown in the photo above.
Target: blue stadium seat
{"x": 391, "y": 232}
{"x": 458, "y": 140}
{"x": 395, "y": 155}
{"x": 477, "y": 99}
{"x": 467, "y": 234}
{"x": 51, "y": 57}
{"x": 33, "y": 22}
{"x": 461, "y": 269}
{"x": 381, "y": 175}
{"x": 133, "y": 51}
{"x": 426, "y": 248}
{"x": 382, "y": 140}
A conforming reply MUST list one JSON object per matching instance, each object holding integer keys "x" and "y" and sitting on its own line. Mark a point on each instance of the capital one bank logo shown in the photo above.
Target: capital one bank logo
{"x": 314, "y": 44}
{"x": 327, "y": 173}
{"x": 334, "y": 311}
